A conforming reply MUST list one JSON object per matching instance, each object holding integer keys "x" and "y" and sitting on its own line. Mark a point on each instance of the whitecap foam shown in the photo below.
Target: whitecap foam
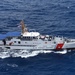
{"x": 12, "y": 65}
{"x": 61, "y": 52}
{"x": 4, "y": 55}
{"x": 26, "y": 53}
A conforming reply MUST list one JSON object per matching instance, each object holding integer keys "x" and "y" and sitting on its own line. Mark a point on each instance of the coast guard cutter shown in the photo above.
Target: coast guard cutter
{"x": 34, "y": 41}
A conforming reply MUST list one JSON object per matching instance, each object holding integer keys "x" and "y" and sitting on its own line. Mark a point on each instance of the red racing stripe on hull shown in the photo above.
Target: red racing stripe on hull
{"x": 59, "y": 46}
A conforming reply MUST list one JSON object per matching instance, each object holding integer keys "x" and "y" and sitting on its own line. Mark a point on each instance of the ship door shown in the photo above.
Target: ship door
{"x": 4, "y": 42}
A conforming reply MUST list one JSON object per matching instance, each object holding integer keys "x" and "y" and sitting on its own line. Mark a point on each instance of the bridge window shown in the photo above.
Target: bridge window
{"x": 34, "y": 37}
{"x": 14, "y": 41}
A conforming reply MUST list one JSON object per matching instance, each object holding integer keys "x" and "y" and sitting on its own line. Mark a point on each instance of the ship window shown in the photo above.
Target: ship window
{"x": 33, "y": 37}
{"x": 54, "y": 42}
{"x": 26, "y": 38}
{"x": 14, "y": 41}
{"x": 19, "y": 42}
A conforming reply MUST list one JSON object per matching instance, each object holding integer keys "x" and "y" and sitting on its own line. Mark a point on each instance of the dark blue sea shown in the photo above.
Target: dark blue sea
{"x": 53, "y": 17}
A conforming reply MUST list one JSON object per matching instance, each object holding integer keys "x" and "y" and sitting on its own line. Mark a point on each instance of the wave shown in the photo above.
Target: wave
{"x": 26, "y": 53}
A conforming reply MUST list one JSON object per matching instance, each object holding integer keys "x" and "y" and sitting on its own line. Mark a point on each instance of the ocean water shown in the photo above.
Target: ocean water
{"x": 53, "y": 17}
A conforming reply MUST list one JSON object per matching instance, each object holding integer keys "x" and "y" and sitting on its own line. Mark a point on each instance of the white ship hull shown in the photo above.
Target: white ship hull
{"x": 46, "y": 45}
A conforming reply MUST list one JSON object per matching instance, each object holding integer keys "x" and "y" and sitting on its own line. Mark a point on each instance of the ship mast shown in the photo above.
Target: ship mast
{"x": 24, "y": 29}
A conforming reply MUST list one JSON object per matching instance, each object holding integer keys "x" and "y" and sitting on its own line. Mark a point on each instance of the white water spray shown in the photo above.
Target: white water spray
{"x": 25, "y": 53}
